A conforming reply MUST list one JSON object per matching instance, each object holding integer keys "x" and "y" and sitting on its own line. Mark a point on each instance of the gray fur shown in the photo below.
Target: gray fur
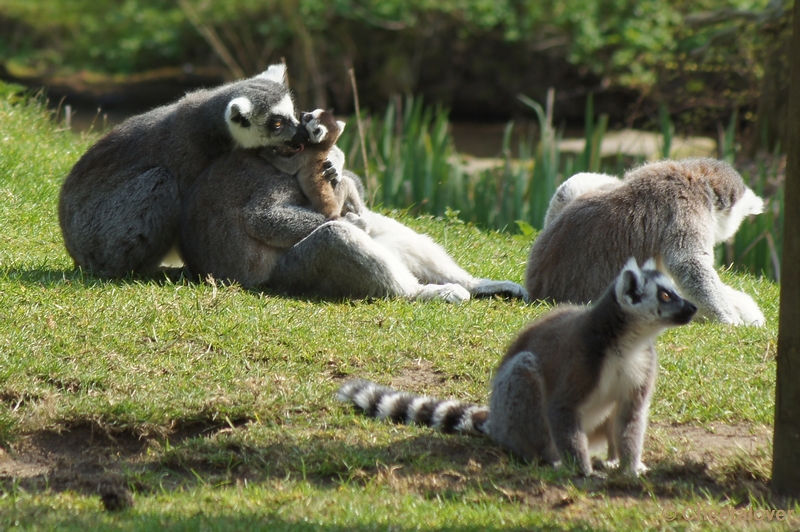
{"x": 674, "y": 211}
{"x": 576, "y": 378}
{"x": 248, "y": 222}
{"x": 120, "y": 205}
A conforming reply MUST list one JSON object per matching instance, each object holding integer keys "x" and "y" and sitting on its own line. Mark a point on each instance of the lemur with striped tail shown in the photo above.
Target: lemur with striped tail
{"x": 576, "y": 378}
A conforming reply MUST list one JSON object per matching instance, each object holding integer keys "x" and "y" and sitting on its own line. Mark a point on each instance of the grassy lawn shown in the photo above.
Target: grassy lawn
{"x": 214, "y": 406}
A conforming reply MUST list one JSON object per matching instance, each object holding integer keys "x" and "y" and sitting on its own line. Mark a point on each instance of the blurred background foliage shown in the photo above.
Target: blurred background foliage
{"x": 703, "y": 58}
{"x": 711, "y": 67}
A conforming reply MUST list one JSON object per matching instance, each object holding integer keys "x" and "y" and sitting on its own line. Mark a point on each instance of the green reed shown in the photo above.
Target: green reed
{"x": 413, "y": 165}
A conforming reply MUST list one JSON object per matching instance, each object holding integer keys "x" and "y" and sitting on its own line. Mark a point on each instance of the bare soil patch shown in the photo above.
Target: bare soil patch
{"x": 420, "y": 375}
{"x": 722, "y": 459}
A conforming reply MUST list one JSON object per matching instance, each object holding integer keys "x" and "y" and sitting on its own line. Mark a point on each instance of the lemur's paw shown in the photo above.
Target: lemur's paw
{"x": 357, "y": 220}
{"x": 330, "y": 173}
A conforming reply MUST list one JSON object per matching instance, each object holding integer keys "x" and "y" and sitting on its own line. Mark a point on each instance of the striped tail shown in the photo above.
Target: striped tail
{"x": 402, "y": 407}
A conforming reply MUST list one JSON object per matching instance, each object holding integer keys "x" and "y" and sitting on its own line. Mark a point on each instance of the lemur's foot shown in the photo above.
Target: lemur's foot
{"x": 357, "y": 220}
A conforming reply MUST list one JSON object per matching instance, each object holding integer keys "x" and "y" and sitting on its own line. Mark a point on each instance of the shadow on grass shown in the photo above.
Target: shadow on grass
{"x": 92, "y": 460}
{"x": 51, "y": 278}
{"x": 55, "y": 277}
{"x": 266, "y": 520}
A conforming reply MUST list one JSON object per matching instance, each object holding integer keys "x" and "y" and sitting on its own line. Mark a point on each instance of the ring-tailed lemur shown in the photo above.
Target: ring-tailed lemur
{"x": 575, "y": 378}
{"x": 119, "y": 207}
{"x": 249, "y": 222}
{"x": 319, "y": 180}
{"x": 674, "y": 211}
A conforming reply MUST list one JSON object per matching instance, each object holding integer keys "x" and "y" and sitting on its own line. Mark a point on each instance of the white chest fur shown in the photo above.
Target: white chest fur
{"x": 624, "y": 369}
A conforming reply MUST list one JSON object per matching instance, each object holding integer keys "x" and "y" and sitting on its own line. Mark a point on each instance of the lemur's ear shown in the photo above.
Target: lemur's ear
{"x": 650, "y": 264}
{"x": 341, "y": 125}
{"x": 276, "y": 73}
{"x": 239, "y": 110}
{"x": 630, "y": 284}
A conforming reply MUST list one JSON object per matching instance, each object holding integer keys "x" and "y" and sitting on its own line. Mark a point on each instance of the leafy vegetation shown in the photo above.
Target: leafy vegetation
{"x": 704, "y": 58}
{"x": 413, "y": 164}
{"x": 214, "y": 405}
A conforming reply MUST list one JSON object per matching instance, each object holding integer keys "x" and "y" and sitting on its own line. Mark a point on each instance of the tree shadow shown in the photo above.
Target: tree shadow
{"x": 91, "y": 459}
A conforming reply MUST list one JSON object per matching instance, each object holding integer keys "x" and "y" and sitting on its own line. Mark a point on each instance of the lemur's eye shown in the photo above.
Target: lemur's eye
{"x": 664, "y": 296}
{"x": 276, "y": 123}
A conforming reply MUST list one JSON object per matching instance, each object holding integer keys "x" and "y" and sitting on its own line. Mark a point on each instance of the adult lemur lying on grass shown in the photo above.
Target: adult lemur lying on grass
{"x": 247, "y": 221}
{"x": 575, "y": 378}
{"x": 675, "y": 211}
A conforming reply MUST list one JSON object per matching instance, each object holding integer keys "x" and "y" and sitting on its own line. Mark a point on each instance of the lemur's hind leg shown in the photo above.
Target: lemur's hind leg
{"x": 517, "y": 410}
{"x": 131, "y": 229}
{"x": 429, "y": 262}
{"x": 339, "y": 260}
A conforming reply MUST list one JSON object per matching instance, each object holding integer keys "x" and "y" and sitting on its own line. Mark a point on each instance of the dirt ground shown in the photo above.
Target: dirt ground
{"x": 721, "y": 460}
{"x": 89, "y": 462}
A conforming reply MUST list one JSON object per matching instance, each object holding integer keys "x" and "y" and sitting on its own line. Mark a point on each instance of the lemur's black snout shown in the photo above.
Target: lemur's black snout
{"x": 687, "y": 313}
{"x": 301, "y": 134}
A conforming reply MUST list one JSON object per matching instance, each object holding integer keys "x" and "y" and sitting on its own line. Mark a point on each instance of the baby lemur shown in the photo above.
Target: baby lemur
{"x": 577, "y": 377}
{"x": 330, "y": 195}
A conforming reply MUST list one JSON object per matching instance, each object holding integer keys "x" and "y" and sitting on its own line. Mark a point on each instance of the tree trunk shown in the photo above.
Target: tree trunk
{"x": 786, "y": 446}
{"x": 773, "y": 102}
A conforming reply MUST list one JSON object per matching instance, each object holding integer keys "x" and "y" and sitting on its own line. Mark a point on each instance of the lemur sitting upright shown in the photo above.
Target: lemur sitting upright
{"x": 577, "y": 377}
{"x": 120, "y": 206}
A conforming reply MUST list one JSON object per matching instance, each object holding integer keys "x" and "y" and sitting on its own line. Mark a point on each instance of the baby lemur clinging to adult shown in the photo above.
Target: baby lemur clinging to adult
{"x": 310, "y": 159}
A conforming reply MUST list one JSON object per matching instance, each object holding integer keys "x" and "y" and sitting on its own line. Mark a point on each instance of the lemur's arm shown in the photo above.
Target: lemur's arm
{"x": 281, "y": 225}
{"x": 336, "y": 170}
{"x": 283, "y": 218}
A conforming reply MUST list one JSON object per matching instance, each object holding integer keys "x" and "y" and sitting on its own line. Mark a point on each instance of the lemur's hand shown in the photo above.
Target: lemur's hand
{"x": 330, "y": 173}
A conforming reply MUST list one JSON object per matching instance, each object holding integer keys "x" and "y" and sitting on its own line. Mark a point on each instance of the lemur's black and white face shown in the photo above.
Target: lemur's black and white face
{"x": 264, "y": 114}
{"x": 319, "y": 124}
{"x": 315, "y": 127}
{"x": 651, "y": 297}
{"x": 254, "y": 126}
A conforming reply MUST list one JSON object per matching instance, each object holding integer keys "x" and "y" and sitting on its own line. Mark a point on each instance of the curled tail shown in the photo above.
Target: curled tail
{"x": 402, "y": 407}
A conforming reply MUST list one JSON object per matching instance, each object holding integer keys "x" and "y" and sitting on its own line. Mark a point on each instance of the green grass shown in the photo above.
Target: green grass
{"x": 215, "y": 405}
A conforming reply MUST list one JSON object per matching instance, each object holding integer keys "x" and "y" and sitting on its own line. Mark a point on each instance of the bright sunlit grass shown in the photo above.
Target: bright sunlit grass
{"x": 255, "y": 375}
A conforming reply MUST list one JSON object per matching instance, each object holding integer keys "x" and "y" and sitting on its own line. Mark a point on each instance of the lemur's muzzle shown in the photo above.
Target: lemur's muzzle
{"x": 686, "y": 313}
{"x": 300, "y": 136}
